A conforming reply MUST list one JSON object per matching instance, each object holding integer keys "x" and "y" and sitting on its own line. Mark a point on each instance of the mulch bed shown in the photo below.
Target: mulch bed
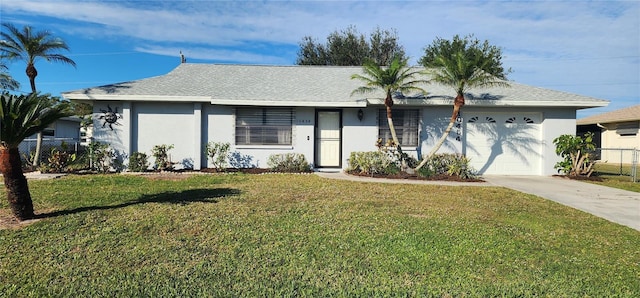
{"x": 232, "y": 170}
{"x": 401, "y": 175}
{"x": 407, "y": 176}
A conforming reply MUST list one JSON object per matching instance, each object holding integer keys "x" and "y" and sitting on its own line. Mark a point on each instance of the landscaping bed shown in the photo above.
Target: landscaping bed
{"x": 405, "y": 175}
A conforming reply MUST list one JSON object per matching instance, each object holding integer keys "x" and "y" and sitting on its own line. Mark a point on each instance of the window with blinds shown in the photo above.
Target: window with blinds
{"x": 264, "y": 126}
{"x": 628, "y": 128}
{"x": 406, "y": 122}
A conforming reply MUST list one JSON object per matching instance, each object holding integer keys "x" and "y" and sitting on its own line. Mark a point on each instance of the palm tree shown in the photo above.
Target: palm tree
{"x": 462, "y": 63}
{"x": 20, "y": 117}
{"x": 28, "y": 46}
{"x": 6, "y": 81}
{"x": 396, "y": 77}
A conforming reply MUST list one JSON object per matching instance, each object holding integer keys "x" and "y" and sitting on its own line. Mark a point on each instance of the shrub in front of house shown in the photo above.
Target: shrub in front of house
{"x": 373, "y": 162}
{"x": 161, "y": 155}
{"x": 391, "y": 149}
{"x": 138, "y": 162}
{"x": 289, "y": 163}
{"x": 218, "y": 152}
{"x": 577, "y": 154}
{"x": 102, "y": 158}
{"x": 448, "y": 164}
{"x": 58, "y": 160}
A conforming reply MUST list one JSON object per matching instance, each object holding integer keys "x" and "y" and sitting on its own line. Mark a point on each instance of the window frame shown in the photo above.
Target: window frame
{"x": 628, "y": 129}
{"x": 254, "y": 130}
{"x": 413, "y": 127}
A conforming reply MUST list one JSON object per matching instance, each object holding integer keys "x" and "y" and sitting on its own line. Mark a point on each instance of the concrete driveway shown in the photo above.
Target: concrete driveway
{"x": 616, "y": 205}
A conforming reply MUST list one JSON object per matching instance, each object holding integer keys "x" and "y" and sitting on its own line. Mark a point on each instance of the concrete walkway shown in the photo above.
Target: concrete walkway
{"x": 616, "y": 205}
{"x": 40, "y": 176}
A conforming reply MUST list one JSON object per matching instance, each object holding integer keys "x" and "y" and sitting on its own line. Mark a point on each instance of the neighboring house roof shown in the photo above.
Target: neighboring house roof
{"x": 305, "y": 86}
{"x": 621, "y": 115}
{"x": 72, "y": 119}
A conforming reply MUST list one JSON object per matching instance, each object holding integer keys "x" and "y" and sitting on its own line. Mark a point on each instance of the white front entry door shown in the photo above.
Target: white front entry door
{"x": 328, "y": 142}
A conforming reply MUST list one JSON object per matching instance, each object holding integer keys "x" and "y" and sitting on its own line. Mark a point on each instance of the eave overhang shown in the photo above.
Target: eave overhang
{"x": 107, "y": 97}
{"x": 289, "y": 103}
{"x": 359, "y": 103}
{"x": 492, "y": 103}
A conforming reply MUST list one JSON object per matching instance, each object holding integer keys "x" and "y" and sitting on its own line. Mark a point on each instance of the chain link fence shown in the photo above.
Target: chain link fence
{"x": 618, "y": 161}
{"x": 49, "y": 147}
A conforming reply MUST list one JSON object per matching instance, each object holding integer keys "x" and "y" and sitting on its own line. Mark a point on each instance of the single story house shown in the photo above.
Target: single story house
{"x": 615, "y": 130}
{"x": 65, "y": 130}
{"x": 265, "y": 110}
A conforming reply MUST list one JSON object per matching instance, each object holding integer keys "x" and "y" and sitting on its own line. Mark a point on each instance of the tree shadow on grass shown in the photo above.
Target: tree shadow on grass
{"x": 182, "y": 198}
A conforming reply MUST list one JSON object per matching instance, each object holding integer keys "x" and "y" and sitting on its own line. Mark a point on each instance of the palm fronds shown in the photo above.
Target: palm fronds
{"x": 24, "y": 115}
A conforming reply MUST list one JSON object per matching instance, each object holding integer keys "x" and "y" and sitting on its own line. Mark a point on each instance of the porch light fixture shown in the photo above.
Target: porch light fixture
{"x": 360, "y": 114}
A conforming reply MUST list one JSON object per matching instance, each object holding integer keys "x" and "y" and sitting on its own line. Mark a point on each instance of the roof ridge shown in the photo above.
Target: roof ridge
{"x": 269, "y": 65}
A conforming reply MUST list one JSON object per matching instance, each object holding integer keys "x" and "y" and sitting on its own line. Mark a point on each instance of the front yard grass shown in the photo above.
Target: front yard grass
{"x": 621, "y": 182}
{"x": 616, "y": 175}
{"x": 603, "y": 168}
{"x": 287, "y": 235}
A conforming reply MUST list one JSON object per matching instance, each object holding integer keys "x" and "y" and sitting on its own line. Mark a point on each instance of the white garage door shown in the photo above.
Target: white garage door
{"x": 504, "y": 144}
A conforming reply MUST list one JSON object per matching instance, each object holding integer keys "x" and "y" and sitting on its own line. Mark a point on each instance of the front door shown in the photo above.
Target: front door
{"x": 328, "y": 139}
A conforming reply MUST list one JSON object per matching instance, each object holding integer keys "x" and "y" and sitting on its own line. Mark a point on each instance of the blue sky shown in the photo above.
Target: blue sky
{"x": 590, "y": 48}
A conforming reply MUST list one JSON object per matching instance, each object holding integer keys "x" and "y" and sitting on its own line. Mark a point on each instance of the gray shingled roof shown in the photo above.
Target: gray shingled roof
{"x": 621, "y": 115}
{"x": 303, "y": 85}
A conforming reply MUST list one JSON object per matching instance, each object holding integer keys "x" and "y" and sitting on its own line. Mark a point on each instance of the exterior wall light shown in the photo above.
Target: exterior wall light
{"x": 360, "y": 114}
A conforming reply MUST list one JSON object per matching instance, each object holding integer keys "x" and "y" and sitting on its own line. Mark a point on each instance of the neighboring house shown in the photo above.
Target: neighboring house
{"x": 65, "y": 130}
{"x": 264, "y": 110}
{"x": 86, "y": 135}
{"x": 619, "y": 129}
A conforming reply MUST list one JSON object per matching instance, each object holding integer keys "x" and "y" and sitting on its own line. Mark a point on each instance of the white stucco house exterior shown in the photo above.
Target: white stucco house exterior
{"x": 263, "y": 110}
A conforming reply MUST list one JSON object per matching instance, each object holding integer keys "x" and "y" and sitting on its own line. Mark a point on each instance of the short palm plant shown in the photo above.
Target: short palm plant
{"x": 396, "y": 77}
{"x": 20, "y": 117}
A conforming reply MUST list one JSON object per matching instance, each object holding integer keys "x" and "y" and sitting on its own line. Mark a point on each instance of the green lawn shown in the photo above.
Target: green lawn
{"x": 622, "y": 182}
{"x": 602, "y": 168}
{"x": 303, "y": 236}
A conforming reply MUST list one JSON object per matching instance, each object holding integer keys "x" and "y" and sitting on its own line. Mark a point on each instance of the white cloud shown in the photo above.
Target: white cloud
{"x": 563, "y": 28}
{"x": 220, "y": 56}
{"x": 589, "y": 48}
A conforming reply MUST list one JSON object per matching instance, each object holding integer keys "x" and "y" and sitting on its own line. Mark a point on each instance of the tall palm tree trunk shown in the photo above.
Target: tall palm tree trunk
{"x": 32, "y": 73}
{"x": 36, "y": 156}
{"x": 394, "y": 136}
{"x": 457, "y": 105}
{"x": 16, "y": 184}
{"x": 388, "y": 102}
